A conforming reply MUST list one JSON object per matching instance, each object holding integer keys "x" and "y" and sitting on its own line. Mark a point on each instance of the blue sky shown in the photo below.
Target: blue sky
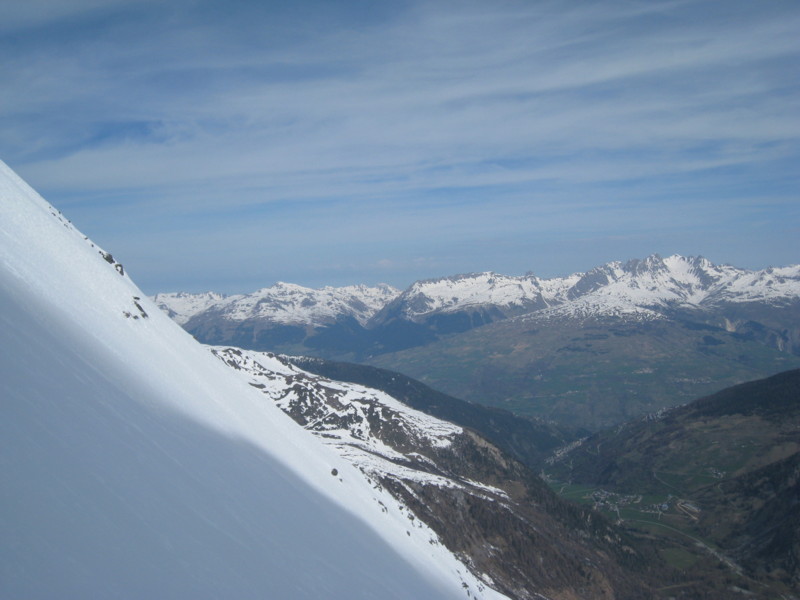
{"x": 228, "y": 145}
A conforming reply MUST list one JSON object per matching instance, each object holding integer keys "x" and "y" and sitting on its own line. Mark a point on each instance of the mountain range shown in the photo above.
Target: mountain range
{"x": 588, "y": 350}
{"x": 643, "y": 289}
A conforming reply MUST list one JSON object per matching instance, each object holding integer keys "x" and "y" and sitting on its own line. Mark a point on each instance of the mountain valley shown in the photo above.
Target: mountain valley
{"x": 590, "y": 373}
{"x": 722, "y": 472}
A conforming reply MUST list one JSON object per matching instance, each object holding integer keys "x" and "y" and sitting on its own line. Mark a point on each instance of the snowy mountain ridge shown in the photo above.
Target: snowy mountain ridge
{"x": 283, "y": 303}
{"x": 637, "y": 288}
{"x": 688, "y": 281}
{"x": 447, "y": 294}
{"x": 614, "y": 288}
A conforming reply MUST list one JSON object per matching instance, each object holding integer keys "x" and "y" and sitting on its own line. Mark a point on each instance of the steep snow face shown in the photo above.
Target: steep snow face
{"x": 284, "y": 303}
{"x": 135, "y": 464}
{"x": 460, "y": 292}
{"x": 399, "y": 449}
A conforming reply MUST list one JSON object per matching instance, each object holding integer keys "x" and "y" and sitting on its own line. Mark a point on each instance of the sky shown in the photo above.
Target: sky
{"x": 226, "y": 145}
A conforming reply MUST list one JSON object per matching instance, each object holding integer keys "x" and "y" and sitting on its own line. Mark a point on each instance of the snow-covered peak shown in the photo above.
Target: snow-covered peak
{"x": 182, "y": 306}
{"x": 460, "y": 292}
{"x": 678, "y": 281}
{"x": 643, "y": 289}
{"x": 586, "y": 283}
{"x": 646, "y": 283}
{"x": 557, "y": 289}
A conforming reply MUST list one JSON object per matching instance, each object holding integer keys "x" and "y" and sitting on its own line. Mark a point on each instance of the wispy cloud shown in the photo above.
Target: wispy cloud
{"x": 340, "y": 119}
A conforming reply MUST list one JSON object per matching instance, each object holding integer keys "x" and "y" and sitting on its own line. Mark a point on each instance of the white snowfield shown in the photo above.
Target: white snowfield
{"x": 284, "y": 303}
{"x": 637, "y": 289}
{"x": 135, "y": 465}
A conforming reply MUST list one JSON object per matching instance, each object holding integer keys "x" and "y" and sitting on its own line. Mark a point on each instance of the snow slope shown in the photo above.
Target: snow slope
{"x": 135, "y": 464}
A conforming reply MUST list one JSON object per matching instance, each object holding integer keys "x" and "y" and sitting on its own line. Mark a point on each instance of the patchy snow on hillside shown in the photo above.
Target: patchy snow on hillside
{"x": 594, "y": 307}
{"x": 342, "y": 414}
{"x": 378, "y": 434}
